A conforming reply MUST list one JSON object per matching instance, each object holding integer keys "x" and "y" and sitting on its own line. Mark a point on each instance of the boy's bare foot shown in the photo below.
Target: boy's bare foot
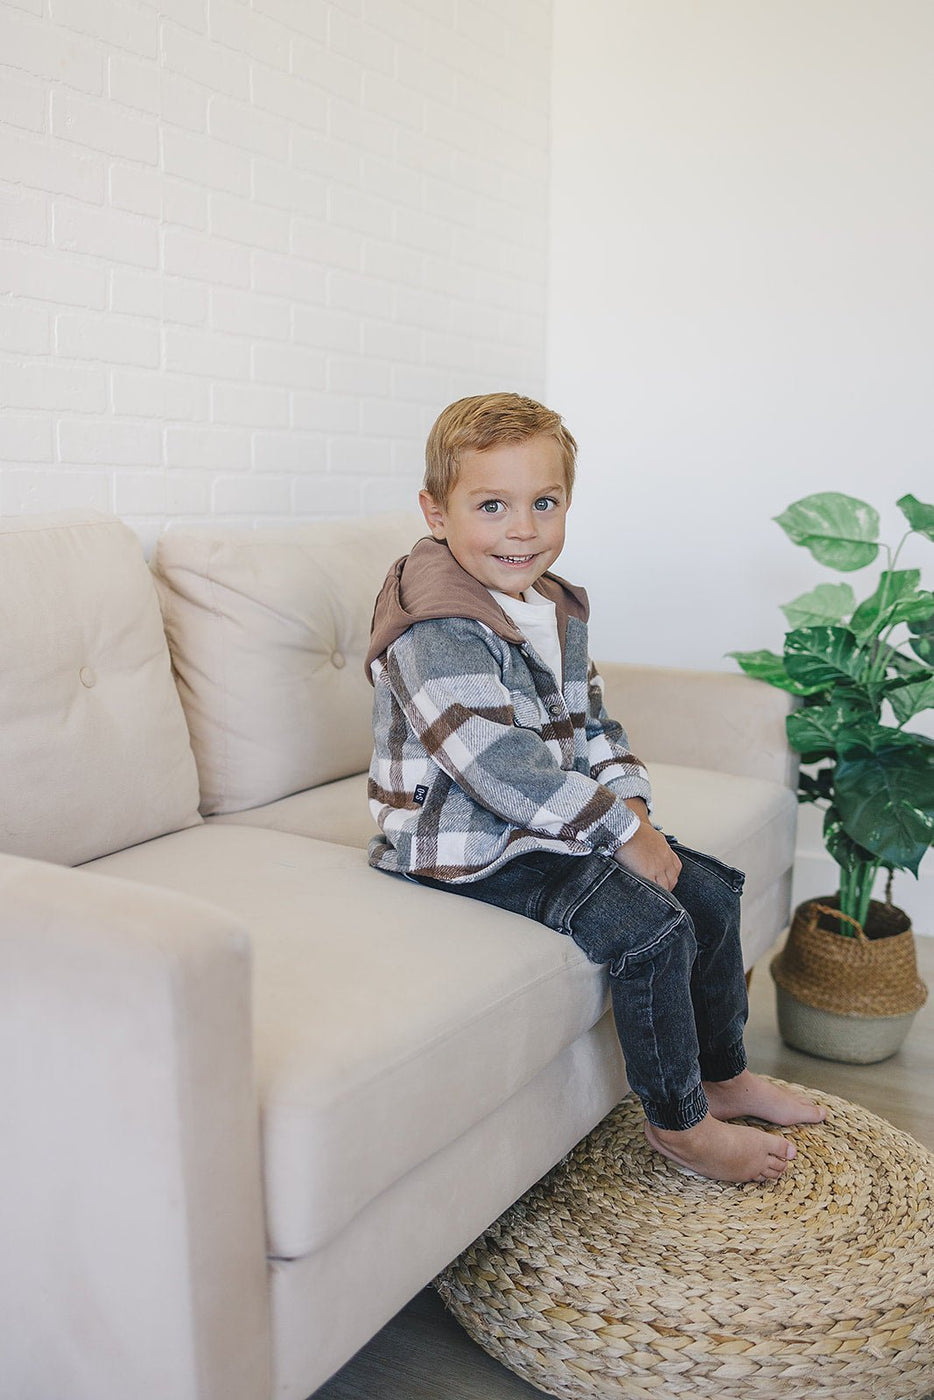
{"x": 724, "y": 1151}
{"x": 749, "y": 1096}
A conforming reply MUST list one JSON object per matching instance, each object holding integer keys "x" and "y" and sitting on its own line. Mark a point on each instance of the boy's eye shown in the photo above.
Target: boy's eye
{"x": 545, "y": 503}
{"x": 491, "y": 507}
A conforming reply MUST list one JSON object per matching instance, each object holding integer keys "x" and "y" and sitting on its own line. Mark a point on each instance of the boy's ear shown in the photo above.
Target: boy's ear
{"x": 433, "y": 513}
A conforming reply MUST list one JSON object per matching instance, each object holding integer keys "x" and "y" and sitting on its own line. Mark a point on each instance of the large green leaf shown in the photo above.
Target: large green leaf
{"x": 922, "y": 639}
{"x": 919, "y": 516}
{"x": 896, "y": 599}
{"x": 818, "y": 658}
{"x": 908, "y": 700}
{"x": 841, "y": 847}
{"x": 840, "y": 531}
{"x": 907, "y": 666}
{"x": 917, "y": 608}
{"x": 885, "y": 797}
{"x": 828, "y": 602}
{"x": 820, "y": 731}
{"x": 764, "y": 665}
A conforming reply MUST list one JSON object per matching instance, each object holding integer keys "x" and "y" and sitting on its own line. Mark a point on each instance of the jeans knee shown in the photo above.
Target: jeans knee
{"x": 707, "y": 887}
{"x": 674, "y": 939}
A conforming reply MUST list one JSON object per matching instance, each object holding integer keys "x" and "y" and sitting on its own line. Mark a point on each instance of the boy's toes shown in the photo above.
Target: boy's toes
{"x": 780, "y": 1157}
{"x": 808, "y": 1112}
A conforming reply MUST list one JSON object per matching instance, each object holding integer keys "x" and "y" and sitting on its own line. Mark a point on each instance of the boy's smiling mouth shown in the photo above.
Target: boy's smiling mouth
{"x": 519, "y": 560}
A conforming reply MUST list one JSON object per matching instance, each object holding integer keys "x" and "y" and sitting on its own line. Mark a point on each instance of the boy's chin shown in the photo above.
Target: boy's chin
{"x": 512, "y": 580}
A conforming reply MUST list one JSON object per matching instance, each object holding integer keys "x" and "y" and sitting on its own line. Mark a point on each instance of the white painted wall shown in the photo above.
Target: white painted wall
{"x": 741, "y": 305}
{"x": 250, "y": 248}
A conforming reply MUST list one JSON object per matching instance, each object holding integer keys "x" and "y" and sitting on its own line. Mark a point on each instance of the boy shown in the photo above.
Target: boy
{"x": 497, "y": 774}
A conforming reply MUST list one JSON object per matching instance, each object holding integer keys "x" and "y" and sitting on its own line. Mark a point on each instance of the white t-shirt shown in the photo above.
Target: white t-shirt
{"x": 537, "y": 620}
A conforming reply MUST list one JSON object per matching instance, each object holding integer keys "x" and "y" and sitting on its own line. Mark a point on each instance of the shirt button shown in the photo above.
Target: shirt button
{"x": 555, "y": 709}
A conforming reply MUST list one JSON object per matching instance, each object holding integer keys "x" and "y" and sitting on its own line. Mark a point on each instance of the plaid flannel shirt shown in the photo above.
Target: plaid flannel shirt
{"x": 480, "y": 756}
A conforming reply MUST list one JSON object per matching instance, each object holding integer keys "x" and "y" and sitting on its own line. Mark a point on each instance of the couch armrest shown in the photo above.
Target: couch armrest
{"x": 703, "y": 719}
{"x": 133, "y": 1259}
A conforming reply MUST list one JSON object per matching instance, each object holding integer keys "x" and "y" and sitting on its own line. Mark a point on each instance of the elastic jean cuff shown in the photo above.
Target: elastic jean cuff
{"x": 724, "y": 1064}
{"x": 683, "y": 1113}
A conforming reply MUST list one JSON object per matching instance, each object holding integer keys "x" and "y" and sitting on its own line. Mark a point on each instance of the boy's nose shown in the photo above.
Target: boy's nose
{"x": 522, "y": 527}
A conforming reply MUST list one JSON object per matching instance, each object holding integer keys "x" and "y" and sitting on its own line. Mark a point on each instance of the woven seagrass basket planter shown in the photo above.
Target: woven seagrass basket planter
{"x": 851, "y": 999}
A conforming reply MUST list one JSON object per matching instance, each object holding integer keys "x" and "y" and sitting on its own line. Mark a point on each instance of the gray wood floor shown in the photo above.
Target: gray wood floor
{"x": 422, "y": 1354}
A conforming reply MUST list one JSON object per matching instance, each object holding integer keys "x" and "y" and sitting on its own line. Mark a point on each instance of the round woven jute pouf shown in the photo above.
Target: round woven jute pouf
{"x": 618, "y": 1275}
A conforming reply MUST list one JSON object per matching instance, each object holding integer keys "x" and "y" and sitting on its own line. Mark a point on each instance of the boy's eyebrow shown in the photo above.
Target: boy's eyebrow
{"x": 504, "y": 491}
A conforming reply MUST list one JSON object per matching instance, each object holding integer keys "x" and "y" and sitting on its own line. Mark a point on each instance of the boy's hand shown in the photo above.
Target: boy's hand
{"x": 647, "y": 853}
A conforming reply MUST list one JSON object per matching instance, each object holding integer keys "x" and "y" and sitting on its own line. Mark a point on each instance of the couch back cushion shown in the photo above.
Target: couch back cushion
{"x": 94, "y": 750}
{"x": 268, "y": 630}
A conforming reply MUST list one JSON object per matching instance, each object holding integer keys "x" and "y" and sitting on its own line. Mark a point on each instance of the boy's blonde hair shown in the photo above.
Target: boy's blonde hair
{"x": 484, "y": 421}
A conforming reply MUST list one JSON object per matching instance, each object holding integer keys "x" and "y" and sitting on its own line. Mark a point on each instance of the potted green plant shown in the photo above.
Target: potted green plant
{"x": 847, "y": 980}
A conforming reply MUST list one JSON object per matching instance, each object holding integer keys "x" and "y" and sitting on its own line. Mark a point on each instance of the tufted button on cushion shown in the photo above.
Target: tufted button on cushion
{"x": 87, "y": 677}
{"x": 338, "y": 660}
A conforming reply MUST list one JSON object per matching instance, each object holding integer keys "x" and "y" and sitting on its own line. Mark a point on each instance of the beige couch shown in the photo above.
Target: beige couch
{"x": 254, "y": 1095}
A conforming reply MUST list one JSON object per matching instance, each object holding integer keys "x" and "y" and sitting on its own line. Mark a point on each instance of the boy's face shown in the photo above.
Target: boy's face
{"x": 505, "y": 516}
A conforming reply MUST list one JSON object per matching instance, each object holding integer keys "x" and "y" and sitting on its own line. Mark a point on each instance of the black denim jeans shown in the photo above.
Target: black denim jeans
{"x": 676, "y": 971}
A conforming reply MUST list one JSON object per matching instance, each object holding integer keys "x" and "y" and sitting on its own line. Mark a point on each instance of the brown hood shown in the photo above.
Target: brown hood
{"x": 429, "y": 583}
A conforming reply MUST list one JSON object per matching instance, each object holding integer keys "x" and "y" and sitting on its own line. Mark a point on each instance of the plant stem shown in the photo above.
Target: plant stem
{"x": 893, "y": 560}
{"x": 878, "y": 664}
{"x": 856, "y": 890}
{"x": 867, "y": 878}
{"x": 879, "y": 650}
{"x": 846, "y": 892}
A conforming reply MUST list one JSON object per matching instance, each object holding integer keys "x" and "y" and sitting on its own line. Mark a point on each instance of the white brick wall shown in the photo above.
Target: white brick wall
{"x": 249, "y": 249}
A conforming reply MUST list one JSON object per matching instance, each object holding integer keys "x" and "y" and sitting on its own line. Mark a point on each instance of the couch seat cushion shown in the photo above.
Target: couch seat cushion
{"x": 748, "y": 822}
{"x": 332, "y": 812}
{"x": 388, "y": 1018}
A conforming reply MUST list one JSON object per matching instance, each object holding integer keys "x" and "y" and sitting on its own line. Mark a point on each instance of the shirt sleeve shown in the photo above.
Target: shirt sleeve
{"x": 611, "y": 760}
{"x": 447, "y": 678}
